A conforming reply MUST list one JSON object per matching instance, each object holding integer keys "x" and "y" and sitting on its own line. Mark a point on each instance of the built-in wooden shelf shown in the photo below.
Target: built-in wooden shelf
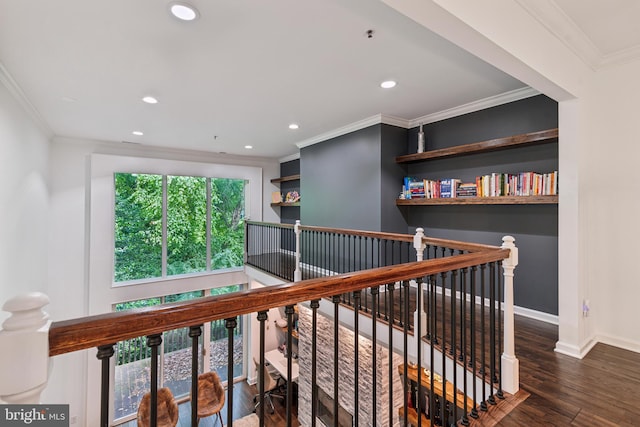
{"x": 501, "y": 200}
{"x": 285, "y": 179}
{"x": 533, "y": 138}
{"x": 286, "y": 204}
{"x": 452, "y": 395}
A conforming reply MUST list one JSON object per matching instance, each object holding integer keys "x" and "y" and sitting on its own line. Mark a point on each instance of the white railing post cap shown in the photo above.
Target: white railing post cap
{"x": 26, "y": 311}
{"x": 24, "y": 339}
{"x": 508, "y": 243}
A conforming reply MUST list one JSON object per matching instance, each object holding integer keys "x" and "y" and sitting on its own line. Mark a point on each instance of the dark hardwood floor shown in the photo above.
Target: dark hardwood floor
{"x": 600, "y": 390}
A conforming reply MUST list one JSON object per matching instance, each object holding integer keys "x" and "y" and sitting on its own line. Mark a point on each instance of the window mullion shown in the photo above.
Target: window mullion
{"x": 164, "y": 225}
{"x": 208, "y": 239}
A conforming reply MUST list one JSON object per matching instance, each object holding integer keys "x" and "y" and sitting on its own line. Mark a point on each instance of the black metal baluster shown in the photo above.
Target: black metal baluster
{"x": 230, "y": 324}
{"x": 405, "y": 343}
{"x": 418, "y": 338}
{"x": 336, "y": 357}
{"x": 389, "y": 308}
{"x": 262, "y": 317}
{"x": 314, "y": 392}
{"x": 289, "y": 310}
{"x": 472, "y": 362}
{"x": 483, "y": 334}
{"x": 194, "y": 334}
{"x": 432, "y": 342}
{"x": 401, "y": 322}
{"x": 454, "y": 277}
{"x": 492, "y": 330}
{"x": 154, "y": 341}
{"x": 463, "y": 342}
{"x": 443, "y": 405}
{"x": 325, "y": 265}
{"x": 500, "y": 334}
{"x": 374, "y": 356}
{"x": 356, "y": 359}
{"x": 104, "y": 354}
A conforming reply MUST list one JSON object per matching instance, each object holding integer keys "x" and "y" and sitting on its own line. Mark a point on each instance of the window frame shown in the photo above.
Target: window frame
{"x": 164, "y": 255}
{"x": 100, "y": 236}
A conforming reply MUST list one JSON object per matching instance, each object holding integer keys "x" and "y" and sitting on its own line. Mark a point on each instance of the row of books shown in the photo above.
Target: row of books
{"x": 492, "y": 185}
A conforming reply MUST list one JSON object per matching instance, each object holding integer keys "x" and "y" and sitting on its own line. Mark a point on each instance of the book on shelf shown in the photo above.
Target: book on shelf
{"x": 276, "y": 197}
{"x": 467, "y": 189}
{"x": 519, "y": 184}
{"x": 490, "y": 185}
{"x": 449, "y": 188}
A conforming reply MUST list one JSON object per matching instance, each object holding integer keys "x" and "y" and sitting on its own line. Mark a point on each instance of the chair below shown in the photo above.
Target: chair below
{"x": 167, "y": 409}
{"x": 210, "y": 395}
{"x": 270, "y": 387}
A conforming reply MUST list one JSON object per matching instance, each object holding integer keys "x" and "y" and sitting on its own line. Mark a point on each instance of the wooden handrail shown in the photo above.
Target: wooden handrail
{"x": 453, "y": 244}
{"x": 104, "y": 329}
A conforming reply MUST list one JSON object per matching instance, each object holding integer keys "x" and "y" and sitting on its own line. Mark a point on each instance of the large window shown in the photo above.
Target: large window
{"x": 172, "y": 225}
{"x": 133, "y": 357}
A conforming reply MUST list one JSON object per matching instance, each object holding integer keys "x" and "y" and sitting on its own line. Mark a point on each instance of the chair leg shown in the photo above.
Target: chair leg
{"x": 220, "y": 415}
{"x": 273, "y": 409}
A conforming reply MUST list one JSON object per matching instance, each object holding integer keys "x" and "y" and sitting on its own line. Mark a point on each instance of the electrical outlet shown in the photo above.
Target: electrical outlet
{"x": 586, "y": 308}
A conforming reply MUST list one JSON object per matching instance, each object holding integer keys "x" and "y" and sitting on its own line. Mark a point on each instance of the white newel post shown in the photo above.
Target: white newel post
{"x": 420, "y": 315}
{"x": 24, "y": 340}
{"x": 510, "y": 374}
{"x": 297, "y": 273}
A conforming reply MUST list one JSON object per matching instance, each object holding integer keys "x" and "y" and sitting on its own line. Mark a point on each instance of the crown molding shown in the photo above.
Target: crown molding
{"x": 621, "y": 57}
{"x": 492, "y": 101}
{"x": 552, "y": 17}
{"x": 27, "y": 106}
{"x": 294, "y": 156}
{"x": 352, "y": 127}
{"x": 481, "y": 104}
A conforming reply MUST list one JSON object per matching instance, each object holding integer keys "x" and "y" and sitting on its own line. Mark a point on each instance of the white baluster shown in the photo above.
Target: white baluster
{"x": 24, "y": 340}
{"x": 418, "y": 244}
{"x": 510, "y": 365}
{"x": 420, "y": 315}
{"x": 297, "y": 274}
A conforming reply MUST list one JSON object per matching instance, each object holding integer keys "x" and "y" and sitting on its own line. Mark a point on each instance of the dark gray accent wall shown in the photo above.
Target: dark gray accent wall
{"x": 352, "y": 181}
{"x": 535, "y": 227}
{"x": 392, "y": 145}
{"x": 341, "y": 181}
{"x": 289, "y": 214}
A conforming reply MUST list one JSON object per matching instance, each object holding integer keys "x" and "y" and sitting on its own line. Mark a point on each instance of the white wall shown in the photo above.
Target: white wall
{"x": 598, "y": 146}
{"x": 24, "y": 200}
{"x": 612, "y": 205}
{"x": 70, "y": 288}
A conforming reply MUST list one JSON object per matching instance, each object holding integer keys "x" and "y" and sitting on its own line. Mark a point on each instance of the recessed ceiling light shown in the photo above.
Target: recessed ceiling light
{"x": 248, "y": 147}
{"x": 388, "y": 84}
{"x": 183, "y": 11}
{"x": 137, "y": 133}
{"x": 293, "y": 126}
{"x": 150, "y": 100}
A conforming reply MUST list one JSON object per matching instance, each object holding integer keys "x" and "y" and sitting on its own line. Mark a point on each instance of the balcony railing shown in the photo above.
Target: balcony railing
{"x": 458, "y": 333}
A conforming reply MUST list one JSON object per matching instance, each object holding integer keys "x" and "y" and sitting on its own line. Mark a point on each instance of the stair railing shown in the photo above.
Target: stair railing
{"x": 29, "y": 325}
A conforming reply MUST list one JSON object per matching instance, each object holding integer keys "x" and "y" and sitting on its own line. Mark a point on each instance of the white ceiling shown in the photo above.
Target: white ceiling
{"x": 245, "y": 69}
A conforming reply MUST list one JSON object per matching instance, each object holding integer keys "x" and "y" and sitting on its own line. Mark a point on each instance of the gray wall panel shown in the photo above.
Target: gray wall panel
{"x": 535, "y": 227}
{"x": 341, "y": 181}
{"x": 393, "y": 145}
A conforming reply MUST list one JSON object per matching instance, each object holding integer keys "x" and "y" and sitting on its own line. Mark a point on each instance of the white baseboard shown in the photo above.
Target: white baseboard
{"x": 537, "y": 315}
{"x": 521, "y": 311}
{"x": 572, "y": 350}
{"x": 619, "y": 342}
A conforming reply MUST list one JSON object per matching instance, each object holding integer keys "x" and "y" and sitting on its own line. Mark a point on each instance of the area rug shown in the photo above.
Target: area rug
{"x": 248, "y": 421}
